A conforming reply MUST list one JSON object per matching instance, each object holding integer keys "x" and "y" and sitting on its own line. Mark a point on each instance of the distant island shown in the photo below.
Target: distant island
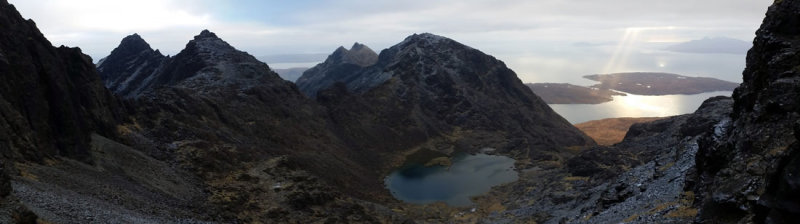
{"x": 639, "y": 83}
{"x": 290, "y": 74}
{"x": 650, "y": 83}
{"x": 564, "y": 93}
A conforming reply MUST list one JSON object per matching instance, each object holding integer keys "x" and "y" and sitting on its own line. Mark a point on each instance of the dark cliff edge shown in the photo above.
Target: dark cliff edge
{"x": 51, "y": 101}
{"x": 50, "y": 98}
{"x": 748, "y": 173}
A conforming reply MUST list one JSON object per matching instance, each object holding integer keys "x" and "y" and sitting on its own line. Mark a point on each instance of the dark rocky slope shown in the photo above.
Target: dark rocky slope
{"x": 640, "y": 180}
{"x": 51, "y": 101}
{"x": 434, "y": 93}
{"x": 749, "y": 172}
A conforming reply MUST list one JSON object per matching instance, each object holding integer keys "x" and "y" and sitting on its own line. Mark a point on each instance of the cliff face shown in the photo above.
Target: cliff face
{"x": 749, "y": 172}
{"x": 50, "y": 98}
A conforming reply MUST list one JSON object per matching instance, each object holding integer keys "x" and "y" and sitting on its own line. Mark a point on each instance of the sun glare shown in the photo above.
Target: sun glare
{"x": 626, "y": 46}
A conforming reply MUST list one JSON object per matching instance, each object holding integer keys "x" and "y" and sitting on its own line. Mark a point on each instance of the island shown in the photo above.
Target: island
{"x": 653, "y": 84}
{"x": 565, "y": 93}
{"x": 290, "y": 74}
{"x": 617, "y": 84}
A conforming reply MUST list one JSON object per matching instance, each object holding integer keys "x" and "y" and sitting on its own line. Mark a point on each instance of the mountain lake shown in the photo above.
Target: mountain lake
{"x": 467, "y": 176}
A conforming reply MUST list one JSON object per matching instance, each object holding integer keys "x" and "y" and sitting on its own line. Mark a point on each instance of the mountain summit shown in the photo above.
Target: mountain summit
{"x": 129, "y": 66}
{"x": 337, "y": 67}
{"x": 134, "y": 68}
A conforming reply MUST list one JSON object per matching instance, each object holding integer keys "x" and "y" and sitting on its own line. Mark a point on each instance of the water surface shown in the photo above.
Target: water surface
{"x": 469, "y": 175}
{"x": 635, "y": 106}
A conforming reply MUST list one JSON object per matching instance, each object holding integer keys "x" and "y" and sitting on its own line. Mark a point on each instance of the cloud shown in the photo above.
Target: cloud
{"x": 558, "y": 32}
{"x": 714, "y": 45}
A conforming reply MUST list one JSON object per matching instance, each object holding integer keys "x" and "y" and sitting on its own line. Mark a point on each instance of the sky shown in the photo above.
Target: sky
{"x": 542, "y": 40}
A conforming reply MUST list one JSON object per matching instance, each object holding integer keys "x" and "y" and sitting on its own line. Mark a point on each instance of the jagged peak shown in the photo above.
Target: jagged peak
{"x": 427, "y": 43}
{"x": 134, "y": 43}
{"x": 425, "y": 37}
{"x": 358, "y": 46}
{"x": 358, "y": 54}
{"x": 205, "y": 34}
{"x": 340, "y": 50}
{"x": 208, "y": 41}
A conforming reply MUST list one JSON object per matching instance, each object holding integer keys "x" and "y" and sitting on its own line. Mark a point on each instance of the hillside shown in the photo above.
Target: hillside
{"x": 611, "y": 130}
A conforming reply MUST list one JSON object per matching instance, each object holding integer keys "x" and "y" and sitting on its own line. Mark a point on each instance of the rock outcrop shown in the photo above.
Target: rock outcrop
{"x": 748, "y": 171}
{"x": 50, "y": 98}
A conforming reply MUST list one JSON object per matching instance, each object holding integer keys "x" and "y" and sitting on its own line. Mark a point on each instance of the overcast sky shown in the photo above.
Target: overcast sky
{"x": 542, "y": 40}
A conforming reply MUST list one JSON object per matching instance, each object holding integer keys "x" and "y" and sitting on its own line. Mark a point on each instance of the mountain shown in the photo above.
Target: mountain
{"x": 133, "y": 68}
{"x": 129, "y": 66}
{"x": 337, "y": 67}
{"x": 430, "y": 92}
{"x": 213, "y": 135}
{"x": 226, "y": 117}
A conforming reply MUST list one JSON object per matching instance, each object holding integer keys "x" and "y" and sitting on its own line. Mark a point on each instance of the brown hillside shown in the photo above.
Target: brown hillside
{"x": 611, "y": 131}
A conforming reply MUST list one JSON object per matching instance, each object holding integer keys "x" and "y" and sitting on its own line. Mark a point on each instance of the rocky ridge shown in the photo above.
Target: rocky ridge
{"x": 338, "y": 67}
